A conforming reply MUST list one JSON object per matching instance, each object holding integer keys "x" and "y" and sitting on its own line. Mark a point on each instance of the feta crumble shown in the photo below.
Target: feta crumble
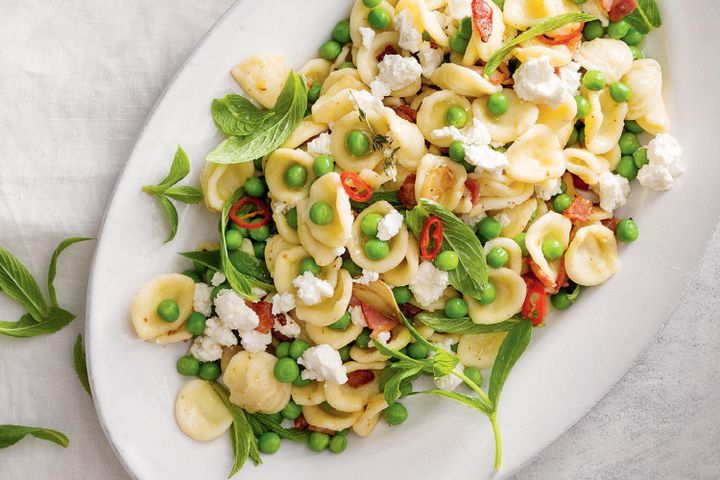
{"x": 320, "y": 145}
{"x": 395, "y": 73}
{"x": 459, "y": 9}
{"x": 220, "y": 332}
{"x": 339, "y": 252}
{"x": 449, "y": 382}
{"x": 503, "y": 219}
{"x": 476, "y": 139}
{"x": 383, "y": 337}
{"x": 323, "y": 362}
{"x": 234, "y": 312}
{"x": 218, "y": 278}
{"x": 280, "y": 207}
{"x": 201, "y": 299}
{"x": 206, "y": 349}
{"x": 282, "y": 303}
{"x": 549, "y": 188}
{"x": 430, "y": 58}
{"x": 254, "y": 341}
{"x": 357, "y": 317}
{"x": 390, "y": 225}
{"x": 311, "y": 289}
{"x": 410, "y": 38}
{"x": 258, "y": 292}
{"x": 366, "y": 101}
{"x": 368, "y": 35}
{"x": 535, "y": 81}
{"x": 613, "y": 191}
{"x": 570, "y": 76}
{"x": 664, "y": 153}
{"x": 291, "y": 329}
{"x": 367, "y": 277}
{"x": 429, "y": 284}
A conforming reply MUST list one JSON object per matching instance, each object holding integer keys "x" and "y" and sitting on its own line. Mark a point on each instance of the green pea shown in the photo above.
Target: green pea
{"x": 402, "y": 295}
{"x": 286, "y": 370}
{"x": 456, "y": 308}
{"x": 259, "y": 249}
{"x": 323, "y": 164}
{"x": 298, "y": 347}
{"x": 488, "y": 228}
{"x": 243, "y": 231}
{"x": 626, "y": 167}
{"x": 188, "y": 365}
{"x": 377, "y": 249}
{"x": 627, "y": 230}
{"x": 594, "y": 80}
{"x": 346, "y": 65}
{"x": 633, "y": 127}
{"x": 261, "y": 233}
{"x": 457, "y": 151}
{"x": 369, "y": 224}
{"x": 295, "y": 176}
{"x": 456, "y": 117}
{"x": 318, "y": 441}
{"x": 629, "y": 143}
{"x": 633, "y": 37}
{"x": 379, "y": 18}
{"x": 341, "y": 323}
{"x": 371, "y": 3}
{"x": 579, "y": 2}
{"x": 581, "y": 136}
{"x": 498, "y": 257}
{"x": 282, "y": 350}
{"x": 291, "y": 411}
{"x": 562, "y": 202}
{"x": 321, "y": 213}
{"x": 488, "y": 295}
{"x": 308, "y": 264}
{"x": 583, "y": 106}
{"x": 641, "y": 157}
{"x": 637, "y": 53}
{"x": 574, "y": 135}
{"x": 363, "y": 340}
{"x": 520, "y": 240}
{"x": 195, "y": 324}
{"x": 233, "y": 239}
{"x": 209, "y": 371}
{"x": 474, "y": 374}
{"x": 194, "y": 275}
{"x": 255, "y": 187}
{"x": 338, "y": 443}
{"x": 314, "y": 93}
{"x": 269, "y": 443}
{"x": 552, "y": 249}
{"x": 561, "y": 300}
{"x": 168, "y": 311}
{"x": 466, "y": 28}
{"x": 447, "y": 260}
{"x": 330, "y": 50}
{"x": 417, "y": 350}
{"x": 618, "y": 30}
{"x": 498, "y": 104}
{"x": 345, "y": 353}
{"x": 352, "y": 268}
{"x": 301, "y": 382}
{"x": 395, "y": 414}
{"x": 458, "y": 44}
{"x": 341, "y": 32}
{"x": 357, "y": 143}
{"x": 593, "y": 30}
{"x": 620, "y": 92}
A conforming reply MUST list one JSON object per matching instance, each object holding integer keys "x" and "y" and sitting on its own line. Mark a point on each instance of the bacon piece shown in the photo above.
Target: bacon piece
{"x": 376, "y": 321}
{"x": 566, "y": 39}
{"x": 474, "y": 190}
{"x": 301, "y": 423}
{"x": 264, "y": 312}
{"x": 611, "y": 223}
{"x": 313, "y": 428}
{"x": 482, "y": 16}
{"x": 389, "y": 50}
{"x": 406, "y": 112}
{"x": 358, "y": 378}
{"x": 546, "y": 281}
{"x": 406, "y": 194}
{"x": 282, "y": 320}
{"x": 579, "y": 210}
{"x": 621, "y": 9}
{"x": 410, "y": 310}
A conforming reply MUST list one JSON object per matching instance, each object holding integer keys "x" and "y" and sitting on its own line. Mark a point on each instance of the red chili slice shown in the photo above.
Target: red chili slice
{"x": 535, "y": 306}
{"x": 474, "y": 190}
{"x": 377, "y": 321}
{"x": 432, "y": 233}
{"x": 547, "y": 282}
{"x": 406, "y": 112}
{"x": 563, "y": 39}
{"x": 579, "y": 210}
{"x": 482, "y": 16}
{"x": 243, "y": 220}
{"x": 621, "y": 9}
{"x": 264, "y": 313}
{"x": 406, "y": 194}
{"x": 355, "y": 187}
{"x": 358, "y": 378}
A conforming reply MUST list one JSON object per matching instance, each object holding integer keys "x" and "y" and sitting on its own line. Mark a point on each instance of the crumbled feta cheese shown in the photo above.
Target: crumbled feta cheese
{"x": 472, "y": 220}
{"x": 548, "y": 188}
{"x": 206, "y": 349}
{"x": 535, "y": 81}
{"x": 283, "y": 303}
{"x": 390, "y": 225}
{"x": 220, "y": 332}
{"x": 367, "y": 277}
{"x": 323, "y": 362}
{"x": 339, "y": 252}
{"x": 234, "y": 312}
{"x": 280, "y": 207}
{"x": 656, "y": 178}
{"x": 291, "y": 329}
{"x": 366, "y": 101}
{"x": 613, "y": 191}
{"x": 594, "y": 7}
{"x": 201, "y": 299}
{"x": 258, "y": 292}
{"x": 383, "y": 337}
{"x": 459, "y": 9}
{"x": 570, "y": 76}
{"x": 218, "y": 278}
{"x": 503, "y": 219}
{"x": 486, "y": 159}
{"x": 410, "y": 38}
{"x": 368, "y": 35}
{"x": 449, "y": 382}
{"x": 254, "y": 341}
{"x": 395, "y": 72}
{"x": 429, "y": 284}
{"x": 477, "y": 134}
{"x": 452, "y": 133}
{"x": 311, "y": 289}
{"x": 664, "y": 153}
{"x": 320, "y": 145}
{"x": 430, "y": 58}
{"x": 357, "y": 317}
{"x": 476, "y": 138}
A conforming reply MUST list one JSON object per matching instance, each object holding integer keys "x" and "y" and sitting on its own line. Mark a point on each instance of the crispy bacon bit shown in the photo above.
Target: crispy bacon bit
{"x": 547, "y": 282}
{"x": 611, "y": 223}
{"x": 562, "y": 278}
{"x": 282, "y": 320}
{"x": 355, "y": 302}
{"x": 301, "y": 423}
{"x": 358, "y": 378}
{"x": 579, "y": 210}
{"x": 482, "y": 16}
{"x": 389, "y": 50}
{"x": 474, "y": 190}
{"x": 313, "y": 428}
{"x": 579, "y": 183}
{"x": 376, "y": 321}
{"x": 409, "y": 310}
{"x": 621, "y": 9}
{"x": 406, "y": 194}
{"x": 406, "y": 112}
{"x": 566, "y": 39}
{"x": 264, "y": 312}
{"x": 500, "y": 76}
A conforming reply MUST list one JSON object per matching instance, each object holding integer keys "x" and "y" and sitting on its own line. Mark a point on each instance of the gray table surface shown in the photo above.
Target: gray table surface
{"x": 661, "y": 421}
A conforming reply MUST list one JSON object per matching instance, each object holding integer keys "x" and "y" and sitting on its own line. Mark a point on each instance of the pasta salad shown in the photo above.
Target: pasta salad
{"x": 396, "y": 216}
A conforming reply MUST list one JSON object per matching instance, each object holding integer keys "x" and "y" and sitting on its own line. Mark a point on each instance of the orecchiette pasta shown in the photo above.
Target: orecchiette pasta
{"x": 262, "y": 77}
{"x": 462, "y": 80}
{"x": 331, "y": 308}
{"x": 200, "y": 413}
{"x": 252, "y": 383}
{"x": 330, "y": 336}
{"x": 315, "y": 71}
{"x": 431, "y": 115}
{"x": 585, "y": 164}
{"x": 478, "y": 49}
{"x": 345, "y": 398}
{"x": 536, "y": 156}
{"x": 424, "y": 20}
{"x": 550, "y": 225}
{"x": 523, "y": 14}
{"x": 510, "y": 294}
{"x": 519, "y": 216}
{"x": 328, "y": 418}
{"x": 479, "y": 350}
{"x": 306, "y": 130}
{"x": 365, "y": 423}
{"x": 562, "y": 119}
{"x": 521, "y": 115}
{"x": 612, "y": 57}
{"x": 311, "y": 394}
{"x": 592, "y": 257}
{"x": 441, "y": 180}
{"x": 646, "y": 104}
{"x": 143, "y": 312}
{"x": 604, "y": 124}
{"x": 219, "y": 182}
{"x": 511, "y": 247}
{"x": 559, "y": 55}
{"x": 398, "y": 245}
{"x": 347, "y": 124}
{"x": 408, "y": 267}
{"x": 277, "y": 164}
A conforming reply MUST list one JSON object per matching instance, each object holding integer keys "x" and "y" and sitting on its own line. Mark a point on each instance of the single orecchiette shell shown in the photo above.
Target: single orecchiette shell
{"x": 311, "y": 394}
{"x": 365, "y": 423}
{"x": 359, "y": 18}
{"x": 510, "y": 292}
{"x": 407, "y": 269}
{"x": 200, "y": 413}
{"x": 424, "y": 20}
{"x": 612, "y": 57}
{"x": 561, "y": 120}
{"x": 367, "y": 58}
{"x": 277, "y": 163}
{"x": 585, "y": 164}
{"x": 263, "y": 77}
{"x": 592, "y": 257}
{"x": 305, "y": 130}
{"x": 480, "y": 350}
{"x": 318, "y": 416}
{"x": 330, "y": 309}
{"x": 407, "y": 139}
{"x": 252, "y": 383}
{"x": 398, "y": 244}
{"x": 523, "y": 14}
{"x": 441, "y": 180}
{"x": 329, "y": 189}
{"x": 273, "y": 248}
{"x": 519, "y": 216}
{"x": 345, "y": 398}
{"x": 143, "y": 311}
{"x": 646, "y": 104}
{"x": 519, "y": 118}
{"x": 315, "y": 71}
{"x": 559, "y": 55}
{"x": 219, "y": 182}
{"x": 535, "y": 156}
{"x": 347, "y": 124}
{"x": 463, "y": 80}
{"x": 604, "y": 124}
{"x": 400, "y": 338}
{"x": 511, "y": 247}
{"x": 552, "y": 225}
{"x": 499, "y": 191}
{"x": 335, "y": 338}
{"x": 431, "y": 115}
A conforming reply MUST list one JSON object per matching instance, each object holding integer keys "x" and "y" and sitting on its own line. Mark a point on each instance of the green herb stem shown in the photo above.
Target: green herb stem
{"x": 498, "y": 440}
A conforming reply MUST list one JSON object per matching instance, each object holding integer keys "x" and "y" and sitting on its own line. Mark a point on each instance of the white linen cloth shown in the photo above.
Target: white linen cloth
{"x": 77, "y": 80}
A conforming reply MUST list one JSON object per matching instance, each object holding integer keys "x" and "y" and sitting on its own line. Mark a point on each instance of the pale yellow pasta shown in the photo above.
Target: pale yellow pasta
{"x": 286, "y": 267}
{"x": 400, "y": 337}
{"x": 431, "y": 115}
{"x": 592, "y": 257}
{"x": 441, "y": 180}
{"x": 143, "y": 311}
{"x": 262, "y": 77}
{"x": 332, "y": 107}
{"x": 252, "y": 383}
{"x": 349, "y": 399}
{"x": 585, "y": 164}
{"x": 519, "y": 118}
{"x": 335, "y": 338}
{"x": 277, "y": 163}
{"x": 657, "y": 121}
{"x": 321, "y": 253}
{"x": 535, "y": 156}
{"x": 424, "y": 20}
{"x": 219, "y": 182}
{"x": 562, "y": 119}
{"x": 479, "y": 50}
{"x": 288, "y": 233}
{"x": 330, "y": 309}
{"x": 480, "y": 350}
{"x": 398, "y": 244}
{"x": 352, "y": 121}
{"x": 359, "y": 18}
{"x": 329, "y": 189}
{"x": 417, "y": 100}
{"x": 559, "y": 55}
{"x": 550, "y": 225}
{"x": 523, "y": 14}
{"x": 330, "y": 419}
{"x": 341, "y": 80}
{"x": 613, "y": 157}
{"x": 519, "y": 216}
{"x": 604, "y": 124}
{"x": 367, "y": 57}
{"x": 407, "y": 269}
{"x": 406, "y": 139}
{"x": 511, "y": 247}
{"x": 612, "y": 57}
{"x": 315, "y": 71}
{"x": 365, "y": 424}
{"x": 467, "y": 81}
{"x": 499, "y": 191}
{"x": 273, "y": 248}
{"x": 646, "y": 104}
{"x": 311, "y": 394}
{"x": 305, "y": 130}
{"x": 510, "y": 293}
{"x": 200, "y": 413}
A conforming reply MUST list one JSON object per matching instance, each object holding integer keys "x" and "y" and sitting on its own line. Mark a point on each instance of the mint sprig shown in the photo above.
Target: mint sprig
{"x": 80, "y": 364}
{"x": 165, "y": 190}
{"x": 645, "y": 17}
{"x": 463, "y": 325}
{"x": 11, "y": 434}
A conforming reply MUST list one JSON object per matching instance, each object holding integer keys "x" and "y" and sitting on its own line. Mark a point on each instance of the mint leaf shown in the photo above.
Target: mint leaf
{"x": 80, "y": 364}
{"x": 512, "y": 347}
{"x": 185, "y": 194}
{"x": 179, "y": 169}
{"x": 171, "y": 213}
{"x": 19, "y": 284}
{"x": 645, "y": 17}
{"x": 391, "y": 197}
{"x": 463, "y": 325}
{"x": 391, "y": 385}
{"x": 473, "y": 402}
{"x": 55, "y": 320}
{"x": 546, "y": 26}
{"x": 443, "y": 363}
{"x": 53, "y": 264}
{"x": 244, "y": 263}
{"x": 262, "y": 423}
{"x": 289, "y": 110}
{"x": 11, "y": 434}
{"x": 243, "y": 438}
{"x": 236, "y": 116}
